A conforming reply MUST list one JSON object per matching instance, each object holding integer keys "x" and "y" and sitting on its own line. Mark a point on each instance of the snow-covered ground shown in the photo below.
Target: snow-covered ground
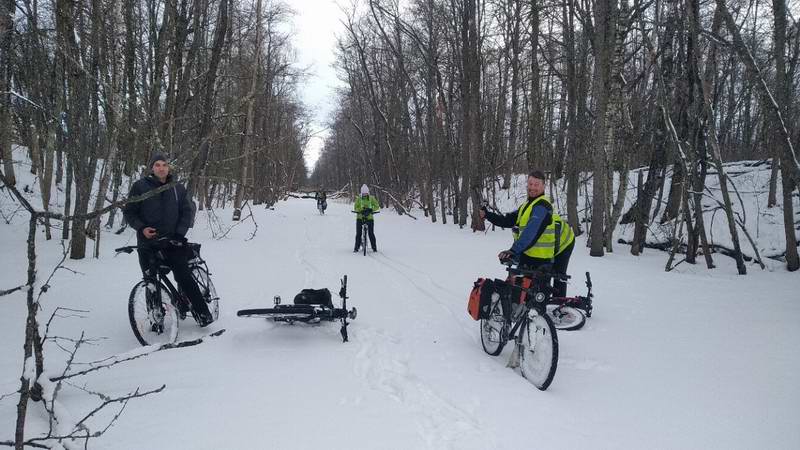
{"x": 694, "y": 358}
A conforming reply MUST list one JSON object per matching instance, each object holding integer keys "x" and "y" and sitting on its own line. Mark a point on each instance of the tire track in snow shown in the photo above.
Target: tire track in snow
{"x": 385, "y": 261}
{"x": 430, "y": 279}
{"x": 441, "y": 423}
{"x": 309, "y": 270}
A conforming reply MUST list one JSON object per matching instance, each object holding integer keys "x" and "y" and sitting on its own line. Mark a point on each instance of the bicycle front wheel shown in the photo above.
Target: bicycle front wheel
{"x": 539, "y": 350}
{"x": 203, "y": 280}
{"x": 494, "y": 331}
{"x": 364, "y": 231}
{"x": 152, "y": 317}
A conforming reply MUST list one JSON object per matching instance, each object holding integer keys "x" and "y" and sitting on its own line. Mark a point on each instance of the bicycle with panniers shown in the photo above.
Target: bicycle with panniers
{"x": 508, "y": 311}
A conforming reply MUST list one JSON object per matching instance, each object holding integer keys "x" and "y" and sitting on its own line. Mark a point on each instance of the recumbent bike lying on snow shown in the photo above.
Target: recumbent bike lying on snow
{"x": 310, "y": 306}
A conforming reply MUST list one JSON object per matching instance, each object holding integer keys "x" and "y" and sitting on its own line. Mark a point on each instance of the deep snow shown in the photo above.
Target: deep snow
{"x": 694, "y": 358}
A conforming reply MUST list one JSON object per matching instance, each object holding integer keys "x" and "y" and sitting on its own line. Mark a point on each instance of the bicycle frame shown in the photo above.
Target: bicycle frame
{"x": 160, "y": 279}
{"x": 536, "y": 300}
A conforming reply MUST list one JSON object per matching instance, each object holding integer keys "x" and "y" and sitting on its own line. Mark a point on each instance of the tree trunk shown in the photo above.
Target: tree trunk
{"x": 572, "y": 144}
{"x": 207, "y": 104}
{"x": 790, "y": 168}
{"x": 605, "y": 14}
{"x": 7, "y": 11}
{"x": 716, "y": 154}
{"x": 782, "y": 97}
{"x": 535, "y": 134}
{"x": 67, "y": 202}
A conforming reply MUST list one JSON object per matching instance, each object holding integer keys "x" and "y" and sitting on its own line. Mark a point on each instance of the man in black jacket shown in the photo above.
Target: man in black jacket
{"x": 167, "y": 214}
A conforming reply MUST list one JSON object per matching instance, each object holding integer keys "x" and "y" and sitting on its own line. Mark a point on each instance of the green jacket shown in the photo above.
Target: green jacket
{"x": 368, "y": 202}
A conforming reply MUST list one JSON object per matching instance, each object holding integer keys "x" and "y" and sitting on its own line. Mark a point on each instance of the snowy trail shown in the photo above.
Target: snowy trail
{"x": 382, "y": 361}
{"x": 690, "y": 359}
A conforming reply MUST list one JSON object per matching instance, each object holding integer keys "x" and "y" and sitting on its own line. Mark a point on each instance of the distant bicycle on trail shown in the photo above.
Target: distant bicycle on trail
{"x": 322, "y": 201}
{"x": 156, "y": 306}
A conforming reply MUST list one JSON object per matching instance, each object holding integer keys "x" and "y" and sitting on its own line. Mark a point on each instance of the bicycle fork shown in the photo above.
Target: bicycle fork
{"x": 522, "y": 331}
{"x": 155, "y": 310}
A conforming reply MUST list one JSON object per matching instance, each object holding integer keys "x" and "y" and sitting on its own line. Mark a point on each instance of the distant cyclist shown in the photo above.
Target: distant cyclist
{"x": 365, "y": 201}
{"x": 322, "y": 201}
{"x": 167, "y": 214}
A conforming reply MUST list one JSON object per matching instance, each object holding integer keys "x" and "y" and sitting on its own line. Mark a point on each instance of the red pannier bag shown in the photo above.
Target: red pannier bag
{"x": 480, "y": 298}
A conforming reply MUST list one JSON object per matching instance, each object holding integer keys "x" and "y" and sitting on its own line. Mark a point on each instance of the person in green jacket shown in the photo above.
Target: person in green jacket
{"x": 363, "y": 203}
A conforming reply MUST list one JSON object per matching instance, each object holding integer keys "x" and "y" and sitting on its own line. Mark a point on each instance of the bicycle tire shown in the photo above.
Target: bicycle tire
{"x": 538, "y": 350}
{"x": 206, "y": 286}
{"x": 364, "y": 231}
{"x": 293, "y": 312}
{"x": 147, "y": 325}
{"x": 494, "y": 329}
{"x": 566, "y": 318}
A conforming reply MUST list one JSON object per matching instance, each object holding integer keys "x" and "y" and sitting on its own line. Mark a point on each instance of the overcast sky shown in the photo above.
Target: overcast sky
{"x": 316, "y": 24}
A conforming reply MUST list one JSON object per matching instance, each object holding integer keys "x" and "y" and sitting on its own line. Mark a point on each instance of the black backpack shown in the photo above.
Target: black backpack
{"x": 314, "y": 297}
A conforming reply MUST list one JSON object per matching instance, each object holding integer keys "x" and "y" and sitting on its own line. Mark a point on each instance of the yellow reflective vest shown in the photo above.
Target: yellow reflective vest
{"x": 546, "y": 246}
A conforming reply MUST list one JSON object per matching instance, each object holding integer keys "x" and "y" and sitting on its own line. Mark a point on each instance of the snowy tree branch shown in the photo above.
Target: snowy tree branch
{"x": 141, "y": 353}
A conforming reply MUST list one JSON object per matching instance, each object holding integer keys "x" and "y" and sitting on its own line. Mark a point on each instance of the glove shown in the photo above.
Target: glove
{"x": 507, "y": 256}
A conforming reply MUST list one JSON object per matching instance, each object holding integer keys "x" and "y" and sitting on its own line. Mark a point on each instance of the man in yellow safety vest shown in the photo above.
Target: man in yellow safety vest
{"x": 541, "y": 236}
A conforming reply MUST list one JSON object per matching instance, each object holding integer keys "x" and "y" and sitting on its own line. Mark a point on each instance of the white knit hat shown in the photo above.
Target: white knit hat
{"x": 364, "y": 189}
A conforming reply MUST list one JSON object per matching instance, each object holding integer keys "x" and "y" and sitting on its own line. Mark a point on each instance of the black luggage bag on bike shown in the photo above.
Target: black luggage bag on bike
{"x": 314, "y": 297}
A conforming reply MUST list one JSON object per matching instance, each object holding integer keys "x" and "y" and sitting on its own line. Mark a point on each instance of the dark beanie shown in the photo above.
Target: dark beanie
{"x": 157, "y": 156}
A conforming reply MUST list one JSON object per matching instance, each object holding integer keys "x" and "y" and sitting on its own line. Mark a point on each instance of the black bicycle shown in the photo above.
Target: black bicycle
{"x": 526, "y": 323}
{"x": 364, "y": 214}
{"x": 155, "y": 305}
{"x": 310, "y": 306}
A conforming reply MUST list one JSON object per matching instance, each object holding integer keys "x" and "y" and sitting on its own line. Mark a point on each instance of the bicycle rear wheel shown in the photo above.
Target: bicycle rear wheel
{"x": 203, "y": 280}
{"x": 494, "y": 331}
{"x": 566, "y": 318}
{"x": 153, "y": 320}
{"x": 538, "y": 350}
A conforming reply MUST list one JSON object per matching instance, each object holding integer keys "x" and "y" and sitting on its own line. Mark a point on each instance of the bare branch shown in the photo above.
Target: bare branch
{"x": 145, "y": 351}
{"x": 26, "y": 443}
{"x": 55, "y": 314}
{"x": 5, "y": 292}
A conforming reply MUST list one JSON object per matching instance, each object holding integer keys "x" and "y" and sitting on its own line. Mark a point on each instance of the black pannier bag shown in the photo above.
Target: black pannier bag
{"x": 314, "y": 297}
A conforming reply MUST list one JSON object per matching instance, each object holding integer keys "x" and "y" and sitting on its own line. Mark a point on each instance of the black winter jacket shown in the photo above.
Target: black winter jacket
{"x": 170, "y": 212}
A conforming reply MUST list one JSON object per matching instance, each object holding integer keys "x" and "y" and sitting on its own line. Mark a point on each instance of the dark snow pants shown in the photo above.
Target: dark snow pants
{"x": 370, "y": 228}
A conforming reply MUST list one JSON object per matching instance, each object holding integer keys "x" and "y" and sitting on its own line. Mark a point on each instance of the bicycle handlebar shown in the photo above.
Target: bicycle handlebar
{"x": 535, "y": 273}
{"x": 158, "y": 244}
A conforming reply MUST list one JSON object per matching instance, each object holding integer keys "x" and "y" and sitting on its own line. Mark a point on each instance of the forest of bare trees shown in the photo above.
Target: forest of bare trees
{"x": 96, "y": 86}
{"x": 447, "y": 99}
